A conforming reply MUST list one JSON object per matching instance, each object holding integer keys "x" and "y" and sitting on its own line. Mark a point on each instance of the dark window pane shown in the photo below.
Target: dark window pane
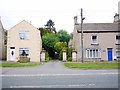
{"x": 117, "y": 37}
{"x": 94, "y": 37}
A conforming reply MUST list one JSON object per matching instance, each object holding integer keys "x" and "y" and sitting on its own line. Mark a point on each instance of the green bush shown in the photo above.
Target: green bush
{"x": 46, "y": 55}
{"x": 24, "y": 60}
{"x": 47, "y": 58}
{"x": 60, "y": 55}
{"x": 69, "y": 52}
{"x": 69, "y": 59}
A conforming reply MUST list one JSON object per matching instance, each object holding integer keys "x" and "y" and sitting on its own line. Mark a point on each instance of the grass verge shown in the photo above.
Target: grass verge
{"x": 93, "y": 65}
{"x": 17, "y": 64}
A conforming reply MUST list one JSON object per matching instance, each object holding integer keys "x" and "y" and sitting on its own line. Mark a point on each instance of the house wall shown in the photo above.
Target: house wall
{"x": 1, "y": 44}
{"x": 34, "y": 42}
{"x": 76, "y": 44}
{"x": 2, "y": 48}
{"x": 105, "y": 41}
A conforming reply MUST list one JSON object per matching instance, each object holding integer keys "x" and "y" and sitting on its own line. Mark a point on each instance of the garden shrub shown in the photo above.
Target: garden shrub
{"x": 24, "y": 59}
{"x": 69, "y": 59}
{"x": 47, "y": 58}
{"x": 60, "y": 55}
{"x": 69, "y": 52}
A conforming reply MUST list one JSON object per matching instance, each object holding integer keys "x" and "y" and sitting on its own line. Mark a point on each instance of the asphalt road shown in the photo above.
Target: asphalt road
{"x": 55, "y": 75}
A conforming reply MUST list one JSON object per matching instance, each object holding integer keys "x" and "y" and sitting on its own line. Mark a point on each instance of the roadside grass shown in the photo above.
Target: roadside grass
{"x": 93, "y": 65}
{"x": 17, "y": 64}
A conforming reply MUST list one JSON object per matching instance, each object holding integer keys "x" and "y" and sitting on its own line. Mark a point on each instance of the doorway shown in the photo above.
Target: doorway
{"x": 12, "y": 53}
{"x": 110, "y": 56}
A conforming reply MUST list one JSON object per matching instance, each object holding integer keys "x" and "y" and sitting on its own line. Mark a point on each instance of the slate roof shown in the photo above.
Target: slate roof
{"x": 99, "y": 27}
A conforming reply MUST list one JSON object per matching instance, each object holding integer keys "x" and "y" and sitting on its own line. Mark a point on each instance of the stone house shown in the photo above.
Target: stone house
{"x": 100, "y": 41}
{"x": 24, "y": 40}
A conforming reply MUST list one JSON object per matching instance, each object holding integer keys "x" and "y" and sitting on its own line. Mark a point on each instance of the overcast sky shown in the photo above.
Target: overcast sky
{"x": 61, "y": 12}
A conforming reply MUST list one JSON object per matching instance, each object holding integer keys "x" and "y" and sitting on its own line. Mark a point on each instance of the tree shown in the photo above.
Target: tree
{"x": 48, "y": 42}
{"x": 50, "y": 25}
{"x": 59, "y": 46}
{"x": 63, "y": 36}
{"x": 44, "y": 31}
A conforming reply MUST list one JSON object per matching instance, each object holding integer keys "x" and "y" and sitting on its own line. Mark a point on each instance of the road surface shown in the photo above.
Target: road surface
{"x": 54, "y": 75}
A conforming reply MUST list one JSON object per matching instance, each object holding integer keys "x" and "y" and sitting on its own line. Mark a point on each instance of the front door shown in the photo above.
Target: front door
{"x": 12, "y": 53}
{"x": 110, "y": 57}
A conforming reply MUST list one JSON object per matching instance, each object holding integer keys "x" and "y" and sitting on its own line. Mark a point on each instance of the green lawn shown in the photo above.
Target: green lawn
{"x": 17, "y": 64}
{"x": 93, "y": 65}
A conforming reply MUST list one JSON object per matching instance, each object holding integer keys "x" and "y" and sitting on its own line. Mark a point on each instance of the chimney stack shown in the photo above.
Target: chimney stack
{"x": 116, "y": 17}
{"x": 75, "y": 20}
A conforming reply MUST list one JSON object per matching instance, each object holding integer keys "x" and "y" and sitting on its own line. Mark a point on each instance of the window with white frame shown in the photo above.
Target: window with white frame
{"x": 93, "y": 53}
{"x": 118, "y": 52}
{"x": 94, "y": 39}
{"x": 24, "y": 51}
{"x": 117, "y": 39}
{"x": 24, "y": 35}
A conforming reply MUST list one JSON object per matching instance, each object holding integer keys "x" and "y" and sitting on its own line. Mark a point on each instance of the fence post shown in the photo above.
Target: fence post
{"x": 74, "y": 55}
{"x": 43, "y": 55}
{"x": 64, "y": 55}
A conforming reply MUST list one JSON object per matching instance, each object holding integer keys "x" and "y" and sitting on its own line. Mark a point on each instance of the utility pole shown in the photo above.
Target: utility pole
{"x": 82, "y": 18}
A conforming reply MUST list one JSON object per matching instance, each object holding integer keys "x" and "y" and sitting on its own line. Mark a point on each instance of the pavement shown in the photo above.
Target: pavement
{"x": 54, "y": 75}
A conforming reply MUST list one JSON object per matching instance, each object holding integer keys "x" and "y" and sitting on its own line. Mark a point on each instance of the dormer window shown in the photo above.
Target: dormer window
{"x": 94, "y": 39}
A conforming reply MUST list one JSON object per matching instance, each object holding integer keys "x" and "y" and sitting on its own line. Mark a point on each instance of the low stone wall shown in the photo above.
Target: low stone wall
{"x": 92, "y": 60}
